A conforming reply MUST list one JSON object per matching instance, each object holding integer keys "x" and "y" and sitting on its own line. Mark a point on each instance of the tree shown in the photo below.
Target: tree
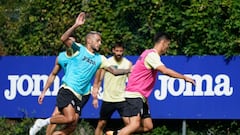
{"x": 197, "y": 27}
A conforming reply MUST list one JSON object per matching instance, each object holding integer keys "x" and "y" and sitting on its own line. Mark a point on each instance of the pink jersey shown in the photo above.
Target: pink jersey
{"x": 141, "y": 79}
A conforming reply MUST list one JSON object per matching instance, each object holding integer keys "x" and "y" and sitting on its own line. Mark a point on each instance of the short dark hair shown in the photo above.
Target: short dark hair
{"x": 161, "y": 36}
{"x": 118, "y": 44}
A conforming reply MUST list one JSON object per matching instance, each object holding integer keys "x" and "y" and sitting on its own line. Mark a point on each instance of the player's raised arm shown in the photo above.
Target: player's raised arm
{"x": 79, "y": 21}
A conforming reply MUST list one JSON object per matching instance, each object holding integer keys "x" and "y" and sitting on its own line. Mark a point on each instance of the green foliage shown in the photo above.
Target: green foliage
{"x": 161, "y": 130}
{"x": 14, "y": 127}
{"x": 206, "y": 27}
{"x": 218, "y": 127}
{"x": 84, "y": 128}
{"x": 194, "y": 127}
{"x": 22, "y": 126}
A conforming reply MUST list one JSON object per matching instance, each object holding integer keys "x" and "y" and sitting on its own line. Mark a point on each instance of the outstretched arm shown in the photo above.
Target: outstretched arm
{"x": 108, "y": 67}
{"x": 152, "y": 59}
{"x": 79, "y": 21}
{"x": 50, "y": 80}
{"x": 115, "y": 71}
{"x": 167, "y": 71}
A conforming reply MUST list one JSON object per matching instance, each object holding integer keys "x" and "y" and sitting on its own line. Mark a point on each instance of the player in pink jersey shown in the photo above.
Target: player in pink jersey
{"x": 140, "y": 85}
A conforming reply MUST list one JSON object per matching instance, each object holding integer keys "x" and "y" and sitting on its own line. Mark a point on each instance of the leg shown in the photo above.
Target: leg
{"x": 67, "y": 103}
{"x": 146, "y": 122}
{"x": 146, "y": 125}
{"x": 126, "y": 120}
{"x": 132, "y": 111}
{"x": 65, "y": 98}
{"x": 69, "y": 128}
{"x": 68, "y": 116}
{"x": 51, "y": 127}
{"x": 132, "y": 126}
{"x": 100, "y": 126}
{"x": 106, "y": 111}
{"x": 121, "y": 106}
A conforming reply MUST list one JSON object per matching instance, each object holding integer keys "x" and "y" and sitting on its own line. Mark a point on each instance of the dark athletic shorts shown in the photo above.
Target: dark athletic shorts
{"x": 135, "y": 106}
{"x": 85, "y": 99}
{"x": 66, "y": 97}
{"x": 108, "y": 108}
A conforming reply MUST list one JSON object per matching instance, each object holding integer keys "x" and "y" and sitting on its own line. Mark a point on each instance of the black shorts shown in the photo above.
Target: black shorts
{"x": 85, "y": 99}
{"x": 135, "y": 106}
{"x": 66, "y": 97}
{"x": 108, "y": 108}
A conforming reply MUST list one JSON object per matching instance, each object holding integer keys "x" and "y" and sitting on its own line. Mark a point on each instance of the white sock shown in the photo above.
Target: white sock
{"x": 47, "y": 121}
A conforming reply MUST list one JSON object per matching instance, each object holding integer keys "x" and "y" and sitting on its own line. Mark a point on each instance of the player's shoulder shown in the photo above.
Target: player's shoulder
{"x": 102, "y": 57}
{"x": 126, "y": 60}
{"x": 153, "y": 54}
{"x": 62, "y": 53}
{"x": 110, "y": 58}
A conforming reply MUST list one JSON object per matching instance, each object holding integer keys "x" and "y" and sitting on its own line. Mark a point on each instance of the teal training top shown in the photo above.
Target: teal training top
{"x": 63, "y": 60}
{"x": 81, "y": 70}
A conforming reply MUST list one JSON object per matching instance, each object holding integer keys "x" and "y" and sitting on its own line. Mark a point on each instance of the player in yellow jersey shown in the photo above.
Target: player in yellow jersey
{"x": 114, "y": 88}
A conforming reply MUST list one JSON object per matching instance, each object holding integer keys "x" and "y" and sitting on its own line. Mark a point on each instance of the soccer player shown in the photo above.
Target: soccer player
{"x": 114, "y": 89}
{"x": 61, "y": 63}
{"x": 141, "y": 82}
{"x": 79, "y": 73}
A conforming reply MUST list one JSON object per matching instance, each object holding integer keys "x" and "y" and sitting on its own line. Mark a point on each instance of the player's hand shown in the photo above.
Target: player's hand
{"x": 95, "y": 103}
{"x": 40, "y": 98}
{"x": 189, "y": 80}
{"x": 80, "y": 19}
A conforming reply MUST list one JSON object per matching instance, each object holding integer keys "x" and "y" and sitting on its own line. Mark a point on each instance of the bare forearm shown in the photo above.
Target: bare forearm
{"x": 174, "y": 74}
{"x": 96, "y": 86}
{"x": 68, "y": 33}
{"x": 121, "y": 71}
{"x": 118, "y": 71}
{"x": 95, "y": 91}
{"x": 97, "y": 82}
{"x": 50, "y": 80}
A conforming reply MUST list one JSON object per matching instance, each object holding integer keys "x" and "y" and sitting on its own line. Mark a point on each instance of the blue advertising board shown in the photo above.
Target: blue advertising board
{"x": 215, "y": 96}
